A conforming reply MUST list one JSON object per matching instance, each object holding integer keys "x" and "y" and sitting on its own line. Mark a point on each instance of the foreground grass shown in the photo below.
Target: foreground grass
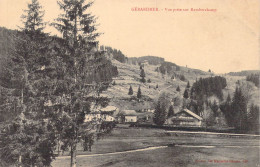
{"x": 123, "y": 139}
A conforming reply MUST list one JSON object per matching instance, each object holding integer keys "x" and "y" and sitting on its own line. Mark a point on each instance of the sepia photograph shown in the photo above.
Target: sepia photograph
{"x": 129, "y": 83}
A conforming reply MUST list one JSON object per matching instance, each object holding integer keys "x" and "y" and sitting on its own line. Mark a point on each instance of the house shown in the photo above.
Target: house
{"x": 185, "y": 118}
{"x": 130, "y": 116}
{"x": 98, "y": 117}
{"x": 102, "y": 114}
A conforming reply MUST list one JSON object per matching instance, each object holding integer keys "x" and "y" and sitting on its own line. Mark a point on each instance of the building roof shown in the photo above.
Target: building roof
{"x": 134, "y": 113}
{"x": 191, "y": 113}
{"x": 108, "y": 108}
{"x": 129, "y": 112}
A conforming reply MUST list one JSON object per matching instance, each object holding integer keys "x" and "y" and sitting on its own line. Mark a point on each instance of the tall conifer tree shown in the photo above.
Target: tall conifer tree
{"x": 84, "y": 72}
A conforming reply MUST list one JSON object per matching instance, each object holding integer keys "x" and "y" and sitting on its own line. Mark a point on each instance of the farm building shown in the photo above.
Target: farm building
{"x": 128, "y": 116}
{"x": 185, "y": 118}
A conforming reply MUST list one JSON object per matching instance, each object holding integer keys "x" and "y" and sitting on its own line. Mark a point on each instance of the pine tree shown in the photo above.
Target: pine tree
{"x": 84, "y": 70}
{"x": 142, "y": 75}
{"x": 239, "y": 107}
{"x": 33, "y": 18}
{"x": 139, "y": 93}
{"x": 186, "y": 94}
{"x": 159, "y": 114}
{"x": 178, "y": 89}
{"x": 228, "y": 100}
{"x": 214, "y": 107}
{"x": 188, "y": 85}
{"x": 253, "y": 118}
{"x": 25, "y": 129}
{"x": 170, "y": 112}
{"x": 130, "y": 92}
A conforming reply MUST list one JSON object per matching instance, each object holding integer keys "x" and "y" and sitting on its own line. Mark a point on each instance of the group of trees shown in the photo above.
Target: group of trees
{"x": 238, "y": 114}
{"x": 49, "y": 85}
{"x": 153, "y": 60}
{"x": 131, "y": 92}
{"x": 168, "y": 67}
{"x": 254, "y": 78}
{"x": 163, "y": 109}
{"x": 205, "y": 87}
{"x": 117, "y": 54}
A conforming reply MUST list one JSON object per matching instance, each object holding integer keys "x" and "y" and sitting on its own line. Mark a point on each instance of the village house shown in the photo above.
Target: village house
{"x": 131, "y": 116}
{"x": 185, "y": 118}
{"x": 102, "y": 114}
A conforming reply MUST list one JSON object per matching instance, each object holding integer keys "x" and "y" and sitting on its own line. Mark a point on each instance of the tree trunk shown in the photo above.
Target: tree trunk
{"x": 20, "y": 161}
{"x": 73, "y": 156}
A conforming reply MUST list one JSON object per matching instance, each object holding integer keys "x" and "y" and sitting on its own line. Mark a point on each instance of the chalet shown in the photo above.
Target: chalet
{"x": 185, "y": 118}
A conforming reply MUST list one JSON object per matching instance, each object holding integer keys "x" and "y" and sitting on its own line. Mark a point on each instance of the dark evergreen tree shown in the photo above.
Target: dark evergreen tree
{"x": 178, "y": 89}
{"x": 27, "y": 131}
{"x": 157, "y": 86}
{"x": 83, "y": 71}
{"x": 253, "y": 118}
{"x": 130, "y": 92}
{"x": 228, "y": 100}
{"x": 214, "y": 107}
{"x": 159, "y": 114}
{"x": 170, "y": 112}
{"x": 142, "y": 75}
{"x": 188, "y": 85}
{"x": 33, "y": 18}
{"x": 139, "y": 93}
{"x": 239, "y": 107}
{"x": 186, "y": 94}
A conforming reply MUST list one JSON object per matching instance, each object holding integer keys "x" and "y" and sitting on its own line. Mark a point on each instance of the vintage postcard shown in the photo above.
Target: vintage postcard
{"x": 129, "y": 83}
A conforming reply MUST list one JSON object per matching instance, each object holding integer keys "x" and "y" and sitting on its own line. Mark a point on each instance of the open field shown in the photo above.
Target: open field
{"x": 167, "y": 149}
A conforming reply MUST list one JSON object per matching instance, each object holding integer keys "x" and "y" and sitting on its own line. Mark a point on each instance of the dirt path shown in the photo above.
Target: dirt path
{"x": 115, "y": 153}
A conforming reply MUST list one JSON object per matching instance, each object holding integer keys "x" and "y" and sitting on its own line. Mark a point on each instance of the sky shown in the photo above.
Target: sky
{"x": 223, "y": 40}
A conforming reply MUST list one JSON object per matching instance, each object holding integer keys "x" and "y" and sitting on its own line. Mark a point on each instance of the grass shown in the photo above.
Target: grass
{"x": 123, "y": 139}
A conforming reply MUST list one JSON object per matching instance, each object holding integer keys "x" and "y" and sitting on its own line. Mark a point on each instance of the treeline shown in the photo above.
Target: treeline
{"x": 244, "y": 73}
{"x": 153, "y": 60}
{"x": 117, "y": 54}
{"x": 254, "y": 78}
{"x": 205, "y": 87}
{"x": 168, "y": 67}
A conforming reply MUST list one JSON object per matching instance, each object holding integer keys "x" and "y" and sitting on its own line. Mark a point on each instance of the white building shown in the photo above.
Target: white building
{"x": 130, "y": 118}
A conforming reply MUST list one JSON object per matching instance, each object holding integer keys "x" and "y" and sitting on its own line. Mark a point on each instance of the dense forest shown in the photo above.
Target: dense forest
{"x": 205, "y": 87}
